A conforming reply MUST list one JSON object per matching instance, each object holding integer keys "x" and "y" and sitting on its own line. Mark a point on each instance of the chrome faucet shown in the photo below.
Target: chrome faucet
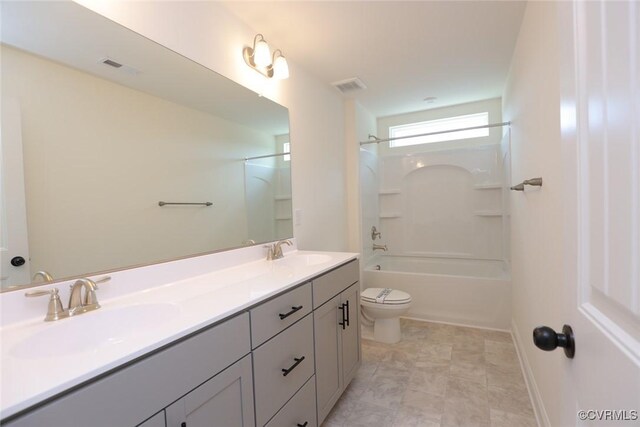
{"x": 45, "y": 276}
{"x": 275, "y": 251}
{"x": 381, "y": 247}
{"x": 77, "y": 303}
{"x": 277, "y": 248}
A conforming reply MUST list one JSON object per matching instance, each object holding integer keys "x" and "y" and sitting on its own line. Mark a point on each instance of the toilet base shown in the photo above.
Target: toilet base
{"x": 387, "y": 330}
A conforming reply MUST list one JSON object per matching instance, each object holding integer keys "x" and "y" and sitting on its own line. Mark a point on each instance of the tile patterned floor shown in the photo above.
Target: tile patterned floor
{"x": 437, "y": 376}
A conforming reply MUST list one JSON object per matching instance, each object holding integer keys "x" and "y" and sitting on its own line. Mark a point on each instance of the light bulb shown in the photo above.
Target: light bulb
{"x": 280, "y": 68}
{"x": 262, "y": 54}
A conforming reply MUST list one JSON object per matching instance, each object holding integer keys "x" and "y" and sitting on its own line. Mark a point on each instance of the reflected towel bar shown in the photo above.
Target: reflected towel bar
{"x": 179, "y": 203}
{"x": 536, "y": 182}
{"x": 267, "y": 156}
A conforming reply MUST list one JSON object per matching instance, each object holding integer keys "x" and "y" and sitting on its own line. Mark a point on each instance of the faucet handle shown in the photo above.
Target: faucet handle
{"x": 104, "y": 279}
{"x": 269, "y": 252}
{"x": 55, "y": 310}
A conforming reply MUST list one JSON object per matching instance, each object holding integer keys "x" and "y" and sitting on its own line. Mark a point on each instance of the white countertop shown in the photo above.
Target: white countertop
{"x": 42, "y": 359}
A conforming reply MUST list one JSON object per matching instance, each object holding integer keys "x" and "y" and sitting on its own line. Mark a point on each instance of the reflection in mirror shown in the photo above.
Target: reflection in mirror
{"x": 100, "y": 124}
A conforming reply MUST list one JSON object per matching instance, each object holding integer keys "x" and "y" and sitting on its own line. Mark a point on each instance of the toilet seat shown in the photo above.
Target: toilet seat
{"x": 395, "y": 297}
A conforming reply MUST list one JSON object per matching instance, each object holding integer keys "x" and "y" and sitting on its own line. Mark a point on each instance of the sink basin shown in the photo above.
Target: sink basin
{"x": 304, "y": 260}
{"x": 90, "y": 332}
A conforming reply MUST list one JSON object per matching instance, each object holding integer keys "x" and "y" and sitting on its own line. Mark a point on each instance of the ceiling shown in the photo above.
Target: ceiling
{"x": 403, "y": 51}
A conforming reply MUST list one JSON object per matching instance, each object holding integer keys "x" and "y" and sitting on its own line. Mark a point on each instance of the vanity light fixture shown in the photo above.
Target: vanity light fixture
{"x": 259, "y": 58}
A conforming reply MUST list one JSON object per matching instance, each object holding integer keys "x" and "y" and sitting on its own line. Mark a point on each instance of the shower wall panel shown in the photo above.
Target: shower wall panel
{"x": 445, "y": 203}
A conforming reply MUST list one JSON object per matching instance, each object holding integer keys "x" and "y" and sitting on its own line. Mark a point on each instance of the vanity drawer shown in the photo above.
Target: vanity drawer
{"x": 270, "y": 318}
{"x": 272, "y": 387}
{"x": 331, "y": 284}
{"x": 299, "y": 410}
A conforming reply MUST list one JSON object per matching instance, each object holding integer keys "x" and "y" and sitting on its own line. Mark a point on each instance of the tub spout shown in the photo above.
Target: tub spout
{"x": 381, "y": 247}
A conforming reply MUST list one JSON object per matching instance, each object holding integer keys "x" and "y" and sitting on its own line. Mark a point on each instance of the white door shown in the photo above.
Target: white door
{"x": 601, "y": 139}
{"x": 14, "y": 244}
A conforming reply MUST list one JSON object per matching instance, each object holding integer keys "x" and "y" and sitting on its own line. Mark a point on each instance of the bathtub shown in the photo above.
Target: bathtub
{"x": 459, "y": 291}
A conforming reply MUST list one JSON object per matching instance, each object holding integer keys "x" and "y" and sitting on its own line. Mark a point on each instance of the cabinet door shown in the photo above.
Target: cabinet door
{"x": 328, "y": 355}
{"x": 225, "y": 400}
{"x": 350, "y": 335}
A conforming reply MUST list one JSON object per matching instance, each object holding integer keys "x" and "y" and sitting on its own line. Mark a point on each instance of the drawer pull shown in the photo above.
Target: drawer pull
{"x": 348, "y": 314}
{"x": 293, "y": 310}
{"x": 344, "y": 322}
{"x": 303, "y": 425}
{"x": 286, "y": 372}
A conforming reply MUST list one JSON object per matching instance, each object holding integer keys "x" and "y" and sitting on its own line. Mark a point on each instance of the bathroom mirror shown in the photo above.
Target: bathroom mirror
{"x": 100, "y": 125}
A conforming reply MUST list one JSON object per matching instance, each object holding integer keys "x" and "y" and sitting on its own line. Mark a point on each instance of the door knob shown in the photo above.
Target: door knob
{"x": 547, "y": 339}
{"x": 17, "y": 261}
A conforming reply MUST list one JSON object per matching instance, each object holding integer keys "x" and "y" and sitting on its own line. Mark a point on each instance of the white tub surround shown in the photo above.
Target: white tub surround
{"x": 142, "y": 310}
{"x": 463, "y": 292}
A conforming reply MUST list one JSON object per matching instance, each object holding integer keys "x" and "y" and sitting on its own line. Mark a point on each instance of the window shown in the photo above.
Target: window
{"x": 286, "y": 148}
{"x": 458, "y": 122}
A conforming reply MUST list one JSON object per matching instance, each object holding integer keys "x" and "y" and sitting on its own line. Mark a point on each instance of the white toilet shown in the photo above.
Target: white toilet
{"x": 384, "y": 307}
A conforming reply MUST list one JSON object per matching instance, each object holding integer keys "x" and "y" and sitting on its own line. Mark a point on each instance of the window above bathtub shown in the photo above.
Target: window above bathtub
{"x": 439, "y": 125}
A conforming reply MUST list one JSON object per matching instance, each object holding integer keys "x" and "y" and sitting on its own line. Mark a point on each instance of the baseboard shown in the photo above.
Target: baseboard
{"x": 418, "y": 319}
{"x": 534, "y": 394}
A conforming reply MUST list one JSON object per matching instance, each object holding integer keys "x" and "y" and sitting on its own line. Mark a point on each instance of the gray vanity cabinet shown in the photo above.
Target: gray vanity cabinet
{"x": 130, "y": 395}
{"x": 328, "y": 356}
{"x": 337, "y": 336}
{"x": 350, "y": 334}
{"x": 224, "y": 400}
{"x": 284, "y": 362}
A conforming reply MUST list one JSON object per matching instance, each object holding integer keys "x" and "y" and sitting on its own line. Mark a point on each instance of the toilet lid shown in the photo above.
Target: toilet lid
{"x": 385, "y": 296}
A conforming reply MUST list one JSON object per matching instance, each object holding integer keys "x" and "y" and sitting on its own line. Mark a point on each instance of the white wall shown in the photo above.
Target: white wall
{"x": 492, "y": 106}
{"x": 97, "y": 156}
{"x": 532, "y": 103}
{"x": 207, "y": 33}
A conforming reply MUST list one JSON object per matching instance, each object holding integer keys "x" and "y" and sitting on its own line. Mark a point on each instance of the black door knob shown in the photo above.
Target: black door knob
{"x": 547, "y": 339}
{"x": 17, "y": 261}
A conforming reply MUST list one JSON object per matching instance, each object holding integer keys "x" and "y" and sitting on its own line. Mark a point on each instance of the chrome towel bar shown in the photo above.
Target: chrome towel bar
{"x": 180, "y": 203}
{"x": 536, "y": 182}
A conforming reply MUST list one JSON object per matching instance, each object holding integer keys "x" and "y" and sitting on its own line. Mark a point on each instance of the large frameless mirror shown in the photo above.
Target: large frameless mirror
{"x": 118, "y": 152}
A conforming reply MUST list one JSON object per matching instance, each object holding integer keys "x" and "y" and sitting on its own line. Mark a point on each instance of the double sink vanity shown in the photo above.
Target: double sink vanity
{"x": 250, "y": 342}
